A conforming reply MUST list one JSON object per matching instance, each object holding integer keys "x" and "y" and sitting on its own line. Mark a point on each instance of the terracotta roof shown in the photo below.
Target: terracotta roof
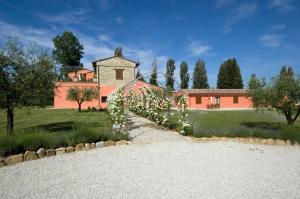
{"x": 137, "y": 63}
{"x": 215, "y": 91}
{"x": 81, "y": 69}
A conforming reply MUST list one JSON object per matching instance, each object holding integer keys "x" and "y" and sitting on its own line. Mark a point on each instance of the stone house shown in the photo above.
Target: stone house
{"x": 109, "y": 74}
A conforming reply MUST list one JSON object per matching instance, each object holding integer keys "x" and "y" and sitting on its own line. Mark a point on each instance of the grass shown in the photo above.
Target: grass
{"x": 49, "y": 128}
{"x": 243, "y": 124}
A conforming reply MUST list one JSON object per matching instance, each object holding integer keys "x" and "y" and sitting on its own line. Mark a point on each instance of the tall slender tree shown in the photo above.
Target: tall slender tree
{"x": 229, "y": 76}
{"x": 170, "y": 74}
{"x": 68, "y": 51}
{"x": 139, "y": 76}
{"x": 200, "y": 75}
{"x": 119, "y": 52}
{"x": 184, "y": 75}
{"x": 153, "y": 77}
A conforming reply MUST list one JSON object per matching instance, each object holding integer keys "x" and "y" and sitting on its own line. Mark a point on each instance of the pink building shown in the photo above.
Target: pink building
{"x": 218, "y": 99}
{"x": 110, "y": 74}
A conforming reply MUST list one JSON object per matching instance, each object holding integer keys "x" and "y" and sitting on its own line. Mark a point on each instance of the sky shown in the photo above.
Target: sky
{"x": 262, "y": 35}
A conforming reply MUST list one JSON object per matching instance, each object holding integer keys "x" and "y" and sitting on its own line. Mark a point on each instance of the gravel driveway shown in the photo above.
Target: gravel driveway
{"x": 161, "y": 168}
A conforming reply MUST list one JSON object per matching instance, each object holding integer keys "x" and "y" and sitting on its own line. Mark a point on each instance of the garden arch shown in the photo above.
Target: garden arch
{"x": 156, "y": 103}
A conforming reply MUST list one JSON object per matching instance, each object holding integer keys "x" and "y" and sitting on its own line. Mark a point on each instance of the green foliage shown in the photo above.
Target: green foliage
{"x": 81, "y": 95}
{"x": 26, "y": 77}
{"x": 170, "y": 74}
{"x": 229, "y": 76}
{"x": 184, "y": 75}
{"x": 153, "y": 77}
{"x": 281, "y": 94}
{"x": 139, "y": 76}
{"x": 255, "y": 83}
{"x": 200, "y": 75}
{"x": 118, "y": 52}
{"x": 55, "y": 128}
{"x": 68, "y": 52}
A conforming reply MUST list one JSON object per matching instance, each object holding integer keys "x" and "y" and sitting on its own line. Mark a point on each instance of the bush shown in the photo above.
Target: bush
{"x": 34, "y": 138}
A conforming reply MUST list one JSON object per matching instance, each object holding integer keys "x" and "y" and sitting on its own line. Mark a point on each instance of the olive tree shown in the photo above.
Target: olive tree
{"x": 81, "y": 95}
{"x": 26, "y": 78}
{"x": 281, "y": 94}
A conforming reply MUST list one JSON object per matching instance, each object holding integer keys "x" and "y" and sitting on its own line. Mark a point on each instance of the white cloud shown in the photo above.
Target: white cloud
{"x": 66, "y": 18}
{"x": 221, "y": 3}
{"x": 196, "y": 48}
{"x": 119, "y": 19}
{"x": 94, "y": 47}
{"x": 27, "y": 34}
{"x": 277, "y": 28}
{"x": 241, "y": 12}
{"x": 270, "y": 40}
{"x": 282, "y": 5}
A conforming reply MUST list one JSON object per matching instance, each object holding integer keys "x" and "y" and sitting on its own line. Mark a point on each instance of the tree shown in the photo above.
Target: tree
{"x": 68, "y": 52}
{"x": 255, "y": 83}
{"x": 184, "y": 75}
{"x": 118, "y": 52}
{"x": 229, "y": 76}
{"x": 200, "y": 75}
{"x": 170, "y": 74}
{"x": 153, "y": 77}
{"x": 81, "y": 95}
{"x": 139, "y": 76}
{"x": 281, "y": 94}
{"x": 26, "y": 78}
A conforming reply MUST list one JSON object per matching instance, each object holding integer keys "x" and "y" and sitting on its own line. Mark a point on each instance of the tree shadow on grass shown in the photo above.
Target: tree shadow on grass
{"x": 263, "y": 125}
{"x": 57, "y": 126}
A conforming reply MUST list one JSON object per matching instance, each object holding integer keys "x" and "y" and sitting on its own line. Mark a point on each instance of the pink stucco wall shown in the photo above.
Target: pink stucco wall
{"x": 226, "y": 101}
{"x": 61, "y": 91}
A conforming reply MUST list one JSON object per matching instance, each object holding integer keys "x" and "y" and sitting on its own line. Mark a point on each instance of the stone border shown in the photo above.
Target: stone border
{"x": 250, "y": 140}
{"x": 42, "y": 152}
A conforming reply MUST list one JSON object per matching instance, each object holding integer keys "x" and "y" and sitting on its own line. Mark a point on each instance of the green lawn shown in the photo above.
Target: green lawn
{"x": 49, "y": 128}
{"x": 243, "y": 124}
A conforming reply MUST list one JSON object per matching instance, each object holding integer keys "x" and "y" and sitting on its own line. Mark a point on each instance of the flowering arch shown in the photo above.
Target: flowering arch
{"x": 156, "y": 103}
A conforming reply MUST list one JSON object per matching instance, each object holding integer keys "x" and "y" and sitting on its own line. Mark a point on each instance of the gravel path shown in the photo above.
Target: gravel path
{"x": 160, "y": 168}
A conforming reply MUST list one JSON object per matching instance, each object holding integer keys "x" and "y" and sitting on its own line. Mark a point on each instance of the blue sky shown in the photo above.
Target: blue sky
{"x": 262, "y": 35}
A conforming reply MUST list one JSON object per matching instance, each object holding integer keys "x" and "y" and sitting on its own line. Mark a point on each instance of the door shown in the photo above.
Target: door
{"x": 217, "y": 102}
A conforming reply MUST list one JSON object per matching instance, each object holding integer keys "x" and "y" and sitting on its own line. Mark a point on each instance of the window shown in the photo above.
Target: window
{"x": 235, "y": 99}
{"x": 198, "y": 100}
{"x": 119, "y": 74}
{"x": 103, "y": 99}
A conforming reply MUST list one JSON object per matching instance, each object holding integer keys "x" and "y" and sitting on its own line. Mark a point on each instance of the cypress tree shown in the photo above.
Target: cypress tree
{"x": 184, "y": 75}
{"x": 118, "y": 52}
{"x": 200, "y": 75}
{"x": 229, "y": 76}
{"x": 153, "y": 77}
{"x": 139, "y": 76}
{"x": 170, "y": 74}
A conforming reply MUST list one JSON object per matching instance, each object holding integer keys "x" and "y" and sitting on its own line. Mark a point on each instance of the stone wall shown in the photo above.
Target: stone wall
{"x": 107, "y": 74}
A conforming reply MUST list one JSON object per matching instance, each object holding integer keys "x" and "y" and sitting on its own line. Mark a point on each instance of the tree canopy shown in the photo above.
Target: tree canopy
{"x": 281, "y": 94}
{"x": 118, "y": 52}
{"x": 184, "y": 75}
{"x": 81, "y": 95}
{"x": 200, "y": 75}
{"x": 26, "y": 78}
{"x": 170, "y": 74}
{"x": 153, "y": 77}
{"x": 229, "y": 76}
{"x": 68, "y": 52}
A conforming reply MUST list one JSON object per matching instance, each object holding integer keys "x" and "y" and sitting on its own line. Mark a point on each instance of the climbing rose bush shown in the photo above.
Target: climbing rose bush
{"x": 185, "y": 127}
{"x": 152, "y": 105}
{"x": 116, "y": 111}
